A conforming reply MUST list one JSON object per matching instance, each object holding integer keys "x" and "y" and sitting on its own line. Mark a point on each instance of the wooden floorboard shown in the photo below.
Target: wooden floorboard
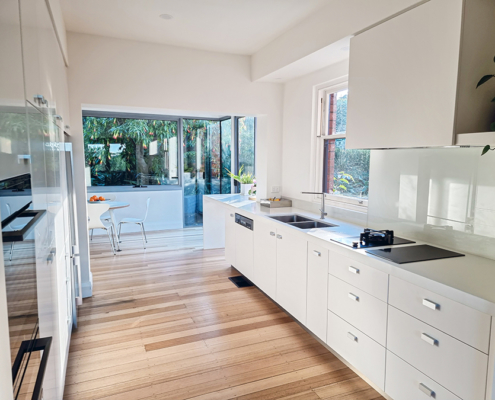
{"x": 166, "y": 323}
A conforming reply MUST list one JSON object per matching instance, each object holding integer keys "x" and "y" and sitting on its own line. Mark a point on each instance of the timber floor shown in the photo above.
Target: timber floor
{"x": 166, "y": 323}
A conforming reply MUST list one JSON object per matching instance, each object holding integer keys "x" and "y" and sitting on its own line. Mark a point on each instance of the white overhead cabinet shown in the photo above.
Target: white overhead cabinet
{"x": 412, "y": 79}
{"x": 44, "y": 66}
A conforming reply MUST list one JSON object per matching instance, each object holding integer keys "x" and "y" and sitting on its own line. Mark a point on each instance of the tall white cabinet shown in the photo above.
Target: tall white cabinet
{"x": 33, "y": 85}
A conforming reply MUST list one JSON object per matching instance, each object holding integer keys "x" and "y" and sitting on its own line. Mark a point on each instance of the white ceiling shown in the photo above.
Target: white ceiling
{"x": 227, "y": 26}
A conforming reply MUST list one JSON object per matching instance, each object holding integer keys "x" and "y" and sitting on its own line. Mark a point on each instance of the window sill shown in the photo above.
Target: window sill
{"x": 150, "y": 188}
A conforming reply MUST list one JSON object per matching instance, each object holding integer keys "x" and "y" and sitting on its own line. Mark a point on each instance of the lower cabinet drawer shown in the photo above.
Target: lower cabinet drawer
{"x": 362, "y": 352}
{"x": 360, "y": 309}
{"x": 364, "y": 277}
{"x": 405, "y": 382}
{"x": 469, "y": 326}
{"x": 455, "y": 365}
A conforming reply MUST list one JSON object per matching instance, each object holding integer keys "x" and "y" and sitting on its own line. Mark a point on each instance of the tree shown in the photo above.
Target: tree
{"x": 130, "y": 161}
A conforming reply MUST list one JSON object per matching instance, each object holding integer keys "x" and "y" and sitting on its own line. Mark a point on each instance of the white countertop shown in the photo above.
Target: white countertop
{"x": 469, "y": 280}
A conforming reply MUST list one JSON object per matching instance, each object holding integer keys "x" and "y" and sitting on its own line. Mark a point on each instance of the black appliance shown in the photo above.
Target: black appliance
{"x": 29, "y": 352}
{"x": 244, "y": 221}
{"x": 410, "y": 254}
{"x": 373, "y": 238}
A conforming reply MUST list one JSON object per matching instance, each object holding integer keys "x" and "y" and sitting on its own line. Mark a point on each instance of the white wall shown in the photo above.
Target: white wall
{"x": 117, "y": 73}
{"x": 339, "y": 19}
{"x": 298, "y": 134}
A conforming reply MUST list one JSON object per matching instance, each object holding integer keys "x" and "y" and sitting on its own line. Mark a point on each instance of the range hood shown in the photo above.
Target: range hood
{"x": 413, "y": 78}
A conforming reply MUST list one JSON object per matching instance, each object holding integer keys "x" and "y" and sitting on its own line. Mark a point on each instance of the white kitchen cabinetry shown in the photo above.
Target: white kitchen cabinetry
{"x": 265, "y": 256}
{"x": 360, "y": 275}
{"x": 434, "y": 346}
{"x": 405, "y": 382}
{"x": 44, "y": 67}
{"x": 362, "y": 352}
{"x": 230, "y": 236}
{"x": 244, "y": 250}
{"x": 360, "y": 309}
{"x": 316, "y": 315}
{"x": 463, "y": 323}
{"x": 410, "y": 85}
{"x": 453, "y": 364}
{"x": 292, "y": 272}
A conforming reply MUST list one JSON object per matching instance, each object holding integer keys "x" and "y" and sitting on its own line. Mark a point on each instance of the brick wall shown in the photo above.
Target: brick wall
{"x": 329, "y": 165}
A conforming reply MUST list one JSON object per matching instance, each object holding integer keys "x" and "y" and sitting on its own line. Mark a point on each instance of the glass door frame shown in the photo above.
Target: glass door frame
{"x": 237, "y": 186}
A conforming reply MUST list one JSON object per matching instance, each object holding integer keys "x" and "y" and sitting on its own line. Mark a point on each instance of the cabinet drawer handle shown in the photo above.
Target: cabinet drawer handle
{"x": 428, "y": 339}
{"x": 426, "y": 390}
{"x": 272, "y": 233}
{"x": 231, "y": 215}
{"x": 353, "y": 296}
{"x": 354, "y": 270}
{"x": 279, "y": 236}
{"x": 431, "y": 304}
{"x": 316, "y": 253}
{"x": 352, "y": 337}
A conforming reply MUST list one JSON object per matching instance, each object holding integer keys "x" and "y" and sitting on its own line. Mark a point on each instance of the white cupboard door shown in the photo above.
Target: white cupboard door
{"x": 30, "y": 47}
{"x": 292, "y": 272}
{"x": 316, "y": 315}
{"x": 244, "y": 251}
{"x": 230, "y": 237}
{"x": 403, "y": 79}
{"x": 265, "y": 256}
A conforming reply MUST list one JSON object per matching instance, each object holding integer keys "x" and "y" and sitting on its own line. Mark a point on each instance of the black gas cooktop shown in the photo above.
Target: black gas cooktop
{"x": 410, "y": 254}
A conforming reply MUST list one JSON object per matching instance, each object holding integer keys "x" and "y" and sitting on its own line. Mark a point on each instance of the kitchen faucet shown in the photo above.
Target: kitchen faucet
{"x": 322, "y": 209}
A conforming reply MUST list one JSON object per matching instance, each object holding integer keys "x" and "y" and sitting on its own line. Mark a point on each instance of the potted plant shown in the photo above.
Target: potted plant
{"x": 246, "y": 180}
{"x": 252, "y": 191}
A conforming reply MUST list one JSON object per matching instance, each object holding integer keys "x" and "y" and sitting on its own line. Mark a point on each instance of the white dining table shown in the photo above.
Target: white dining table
{"x": 114, "y": 205}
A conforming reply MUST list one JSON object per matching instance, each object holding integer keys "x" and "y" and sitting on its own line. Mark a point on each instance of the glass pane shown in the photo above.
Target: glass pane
{"x": 346, "y": 172}
{"x": 337, "y": 112}
{"x": 246, "y": 143}
{"x": 201, "y": 166}
{"x": 226, "y": 129}
{"x": 125, "y": 151}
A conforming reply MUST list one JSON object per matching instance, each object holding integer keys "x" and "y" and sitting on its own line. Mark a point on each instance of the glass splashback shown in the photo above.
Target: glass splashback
{"x": 443, "y": 196}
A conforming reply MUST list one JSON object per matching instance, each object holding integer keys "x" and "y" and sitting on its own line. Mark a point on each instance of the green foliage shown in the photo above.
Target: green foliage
{"x": 353, "y": 178}
{"x": 486, "y": 78}
{"x": 246, "y": 127}
{"x": 341, "y": 122}
{"x": 130, "y": 161}
{"x": 244, "y": 178}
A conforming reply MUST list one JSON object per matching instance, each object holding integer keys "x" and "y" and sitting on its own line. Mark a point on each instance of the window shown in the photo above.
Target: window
{"x": 345, "y": 173}
{"x": 127, "y": 151}
{"x": 245, "y": 144}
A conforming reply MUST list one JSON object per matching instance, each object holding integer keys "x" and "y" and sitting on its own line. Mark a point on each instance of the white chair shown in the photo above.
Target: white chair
{"x": 137, "y": 221}
{"x": 95, "y": 211}
{"x": 14, "y": 228}
{"x": 106, "y": 217}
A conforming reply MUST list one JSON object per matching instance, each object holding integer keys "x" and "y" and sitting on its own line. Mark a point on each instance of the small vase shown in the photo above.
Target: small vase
{"x": 245, "y": 188}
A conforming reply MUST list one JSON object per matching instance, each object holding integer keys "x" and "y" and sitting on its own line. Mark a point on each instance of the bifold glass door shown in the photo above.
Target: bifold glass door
{"x": 206, "y": 156}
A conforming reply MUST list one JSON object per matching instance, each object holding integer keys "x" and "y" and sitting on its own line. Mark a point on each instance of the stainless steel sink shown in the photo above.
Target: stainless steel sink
{"x": 290, "y": 218}
{"x": 302, "y": 222}
{"x": 312, "y": 225}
